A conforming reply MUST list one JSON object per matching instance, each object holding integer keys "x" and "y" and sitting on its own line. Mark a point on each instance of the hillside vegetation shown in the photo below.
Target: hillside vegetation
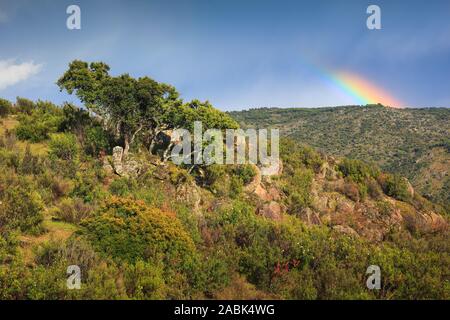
{"x": 411, "y": 142}
{"x": 99, "y": 192}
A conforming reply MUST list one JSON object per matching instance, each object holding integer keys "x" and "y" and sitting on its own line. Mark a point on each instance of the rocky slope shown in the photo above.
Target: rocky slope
{"x": 412, "y": 142}
{"x": 334, "y": 205}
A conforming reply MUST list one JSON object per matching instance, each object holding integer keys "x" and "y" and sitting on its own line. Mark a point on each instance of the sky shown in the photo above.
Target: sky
{"x": 237, "y": 54}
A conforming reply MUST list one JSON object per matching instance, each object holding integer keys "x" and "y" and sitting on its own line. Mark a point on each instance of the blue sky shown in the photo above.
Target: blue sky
{"x": 237, "y": 54}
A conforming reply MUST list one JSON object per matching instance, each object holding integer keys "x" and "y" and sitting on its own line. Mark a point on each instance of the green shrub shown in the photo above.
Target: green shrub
{"x": 236, "y": 187}
{"x": 214, "y": 173}
{"x": 8, "y": 246}
{"x": 295, "y": 155}
{"x": 144, "y": 280}
{"x": 37, "y": 125}
{"x": 5, "y": 108}
{"x": 122, "y": 186}
{"x": 96, "y": 140}
{"x": 357, "y": 170}
{"x": 64, "y": 146}
{"x": 72, "y": 210}
{"x": 130, "y": 231}
{"x": 374, "y": 189}
{"x": 30, "y": 163}
{"x": 87, "y": 187}
{"x": 245, "y": 172}
{"x": 21, "y": 206}
{"x": 385, "y": 208}
{"x": 298, "y": 188}
{"x": 74, "y": 119}
{"x": 395, "y": 186}
{"x": 24, "y": 105}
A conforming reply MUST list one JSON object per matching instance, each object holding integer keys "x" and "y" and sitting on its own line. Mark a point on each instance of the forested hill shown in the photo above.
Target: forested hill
{"x": 412, "y": 142}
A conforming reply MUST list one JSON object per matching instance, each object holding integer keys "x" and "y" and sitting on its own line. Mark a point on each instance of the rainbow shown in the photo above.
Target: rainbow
{"x": 363, "y": 91}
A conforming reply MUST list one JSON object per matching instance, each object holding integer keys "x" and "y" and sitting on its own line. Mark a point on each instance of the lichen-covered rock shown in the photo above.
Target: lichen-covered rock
{"x": 189, "y": 193}
{"x": 131, "y": 168}
{"x": 124, "y": 167}
{"x": 273, "y": 169}
{"x": 117, "y": 160}
{"x": 345, "y": 230}
{"x": 262, "y": 193}
{"x": 271, "y": 210}
{"x": 107, "y": 166}
{"x": 310, "y": 216}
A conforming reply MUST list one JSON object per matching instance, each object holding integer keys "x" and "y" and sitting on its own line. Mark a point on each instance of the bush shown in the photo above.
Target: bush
{"x": 385, "y": 208}
{"x": 374, "y": 189}
{"x": 64, "y": 146}
{"x": 30, "y": 164}
{"x": 296, "y": 156}
{"x": 213, "y": 173}
{"x": 5, "y": 108}
{"x": 395, "y": 186}
{"x": 218, "y": 181}
{"x": 130, "y": 231}
{"x": 21, "y": 206}
{"x": 72, "y": 210}
{"x": 24, "y": 105}
{"x": 236, "y": 187}
{"x": 60, "y": 187}
{"x": 87, "y": 187}
{"x": 144, "y": 280}
{"x": 350, "y": 190}
{"x": 298, "y": 188}
{"x": 96, "y": 140}
{"x": 357, "y": 170}
{"x": 245, "y": 172}
{"x": 122, "y": 186}
{"x": 74, "y": 119}
{"x": 42, "y": 121}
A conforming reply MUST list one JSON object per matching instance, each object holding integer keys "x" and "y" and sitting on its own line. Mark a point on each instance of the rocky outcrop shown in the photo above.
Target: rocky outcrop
{"x": 346, "y": 230}
{"x": 117, "y": 160}
{"x": 268, "y": 195}
{"x": 120, "y": 165}
{"x": 271, "y": 210}
{"x": 189, "y": 193}
{"x": 275, "y": 168}
{"x": 310, "y": 216}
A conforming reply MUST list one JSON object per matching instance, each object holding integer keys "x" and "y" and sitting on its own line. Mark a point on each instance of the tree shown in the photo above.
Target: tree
{"x": 188, "y": 113}
{"x": 129, "y": 106}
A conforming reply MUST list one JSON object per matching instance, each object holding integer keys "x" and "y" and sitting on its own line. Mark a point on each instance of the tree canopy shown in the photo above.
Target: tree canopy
{"x": 136, "y": 107}
{"x": 124, "y": 103}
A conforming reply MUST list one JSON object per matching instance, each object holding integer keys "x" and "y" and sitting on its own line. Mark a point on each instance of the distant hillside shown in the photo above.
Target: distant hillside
{"x": 412, "y": 142}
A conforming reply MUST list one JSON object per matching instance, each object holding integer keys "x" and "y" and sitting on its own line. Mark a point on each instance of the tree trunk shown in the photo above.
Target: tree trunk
{"x": 127, "y": 146}
{"x": 166, "y": 155}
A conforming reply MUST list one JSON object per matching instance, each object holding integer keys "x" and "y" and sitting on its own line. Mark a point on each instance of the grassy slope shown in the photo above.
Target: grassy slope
{"x": 408, "y": 141}
{"x": 9, "y": 124}
{"x": 54, "y": 230}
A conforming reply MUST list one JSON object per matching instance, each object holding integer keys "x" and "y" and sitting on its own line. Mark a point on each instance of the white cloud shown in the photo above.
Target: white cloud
{"x": 12, "y": 73}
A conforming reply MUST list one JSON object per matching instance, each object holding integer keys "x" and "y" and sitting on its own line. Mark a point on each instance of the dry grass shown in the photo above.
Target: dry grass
{"x": 37, "y": 149}
{"x": 55, "y": 230}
